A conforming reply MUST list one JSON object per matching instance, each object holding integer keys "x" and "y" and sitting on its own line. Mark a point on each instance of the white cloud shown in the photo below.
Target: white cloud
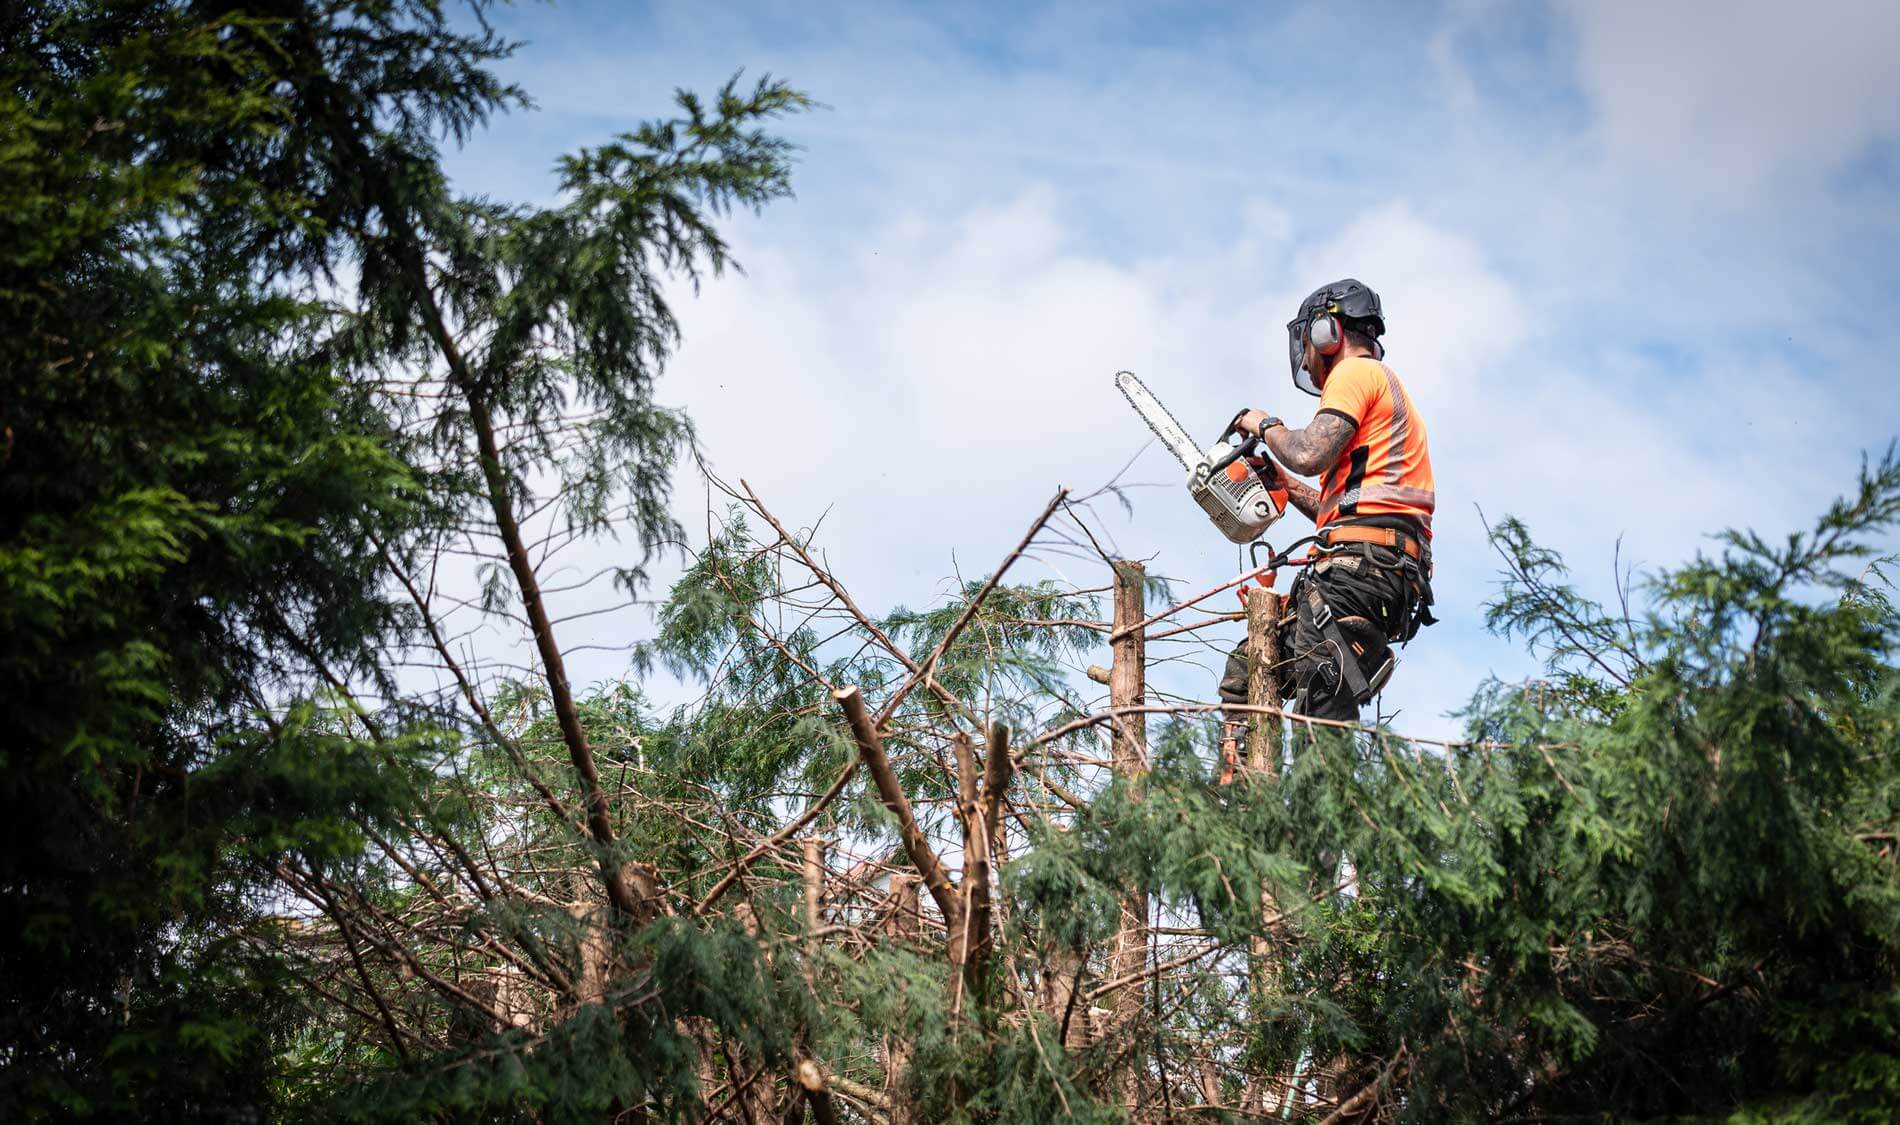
{"x": 1728, "y": 93}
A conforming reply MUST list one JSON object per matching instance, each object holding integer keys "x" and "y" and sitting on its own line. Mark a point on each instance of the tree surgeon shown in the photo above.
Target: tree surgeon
{"x": 1368, "y": 585}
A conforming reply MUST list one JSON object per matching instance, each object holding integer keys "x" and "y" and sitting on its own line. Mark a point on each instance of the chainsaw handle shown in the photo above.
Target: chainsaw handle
{"x": 1234, "y": 452}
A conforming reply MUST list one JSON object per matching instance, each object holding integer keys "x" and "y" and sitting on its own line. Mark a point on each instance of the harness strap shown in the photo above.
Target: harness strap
{"x": 1417, "y": 565}
{"x": 1328, "y": 628}
{"x": 1377, "y": 536}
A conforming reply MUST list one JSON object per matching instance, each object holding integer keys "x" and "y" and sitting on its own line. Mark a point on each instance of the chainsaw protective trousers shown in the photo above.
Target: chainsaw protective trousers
{"x": 1371, "y": 592}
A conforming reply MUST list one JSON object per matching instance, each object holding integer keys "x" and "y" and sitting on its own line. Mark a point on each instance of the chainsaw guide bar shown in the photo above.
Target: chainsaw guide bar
{"x": 1234, "y": 498}
{"x": 1171, "y": 432}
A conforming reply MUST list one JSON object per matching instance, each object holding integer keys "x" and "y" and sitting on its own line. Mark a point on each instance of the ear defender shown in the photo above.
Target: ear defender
{"x": 1320, "y": 325}
{"x": 1326, "y": 335}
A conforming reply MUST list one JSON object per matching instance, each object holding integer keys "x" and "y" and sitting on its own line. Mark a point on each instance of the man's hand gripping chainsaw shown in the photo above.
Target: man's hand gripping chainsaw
{"x": 1243, "y": 503}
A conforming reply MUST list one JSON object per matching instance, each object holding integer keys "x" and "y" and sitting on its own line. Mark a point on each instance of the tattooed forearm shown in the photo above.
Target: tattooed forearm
{"x": 1313, "y": 449}
{"x": 1302, "y": 496}
{"x": 1299, "y": 494}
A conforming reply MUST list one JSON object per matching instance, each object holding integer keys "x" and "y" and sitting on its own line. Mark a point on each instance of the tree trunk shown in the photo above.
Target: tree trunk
{"x": 813, "y": 876}
{"x": 599, "y": 825}
{"x": 1126, "y": 687}
{"x": 1263, "y": 680}
{"x": 1264, "y": 756}
{"x": 982, "y": 816}
{"x": 1063, "y": 997}
{"x": 902, "y": 924}
{"x": 596, "y": 947}
{"x": 410, "y": 255}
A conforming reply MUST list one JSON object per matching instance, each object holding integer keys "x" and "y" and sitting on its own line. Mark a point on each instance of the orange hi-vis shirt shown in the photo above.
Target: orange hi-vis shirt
{"x": 1386, "y": 470}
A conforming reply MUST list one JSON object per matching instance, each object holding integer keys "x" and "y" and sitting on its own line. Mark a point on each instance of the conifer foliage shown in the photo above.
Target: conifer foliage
{"x": 316, "y": 470}
{"x": 188, "y": 491}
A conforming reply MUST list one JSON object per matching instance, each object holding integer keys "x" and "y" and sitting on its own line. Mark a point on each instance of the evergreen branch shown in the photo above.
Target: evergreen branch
{"x": 922, "y": 672}
{"x": 777, "y": 839}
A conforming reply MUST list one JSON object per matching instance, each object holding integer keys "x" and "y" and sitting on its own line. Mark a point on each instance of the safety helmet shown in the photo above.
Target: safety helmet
{"x": 1324, "y": 316}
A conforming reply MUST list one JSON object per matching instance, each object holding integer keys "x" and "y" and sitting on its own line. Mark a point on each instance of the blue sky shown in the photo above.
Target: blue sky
{"x": 1638, "y": 260}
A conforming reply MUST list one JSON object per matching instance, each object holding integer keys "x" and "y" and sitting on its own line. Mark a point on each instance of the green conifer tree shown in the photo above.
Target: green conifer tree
{"x": 187, "y": 491}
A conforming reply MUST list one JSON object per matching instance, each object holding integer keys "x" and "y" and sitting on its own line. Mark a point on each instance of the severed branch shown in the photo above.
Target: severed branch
{"x": 812, "y": 1077}
{"x": 871, "y": 750}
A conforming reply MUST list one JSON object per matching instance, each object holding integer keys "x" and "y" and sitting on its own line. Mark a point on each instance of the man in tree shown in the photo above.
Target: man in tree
{"x": 1369, "y": 582}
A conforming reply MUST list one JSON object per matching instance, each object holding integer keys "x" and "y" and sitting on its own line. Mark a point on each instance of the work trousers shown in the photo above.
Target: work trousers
{"x": 1372, "y": 591}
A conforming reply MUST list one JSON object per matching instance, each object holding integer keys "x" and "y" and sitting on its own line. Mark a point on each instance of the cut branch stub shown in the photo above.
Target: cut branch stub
{"x": 812, "y": 1077}
{"x": 1127, "y": 675}
{"x": 981, "y": 828}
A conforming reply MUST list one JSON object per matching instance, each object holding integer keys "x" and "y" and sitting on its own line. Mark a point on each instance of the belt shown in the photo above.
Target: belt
{"x": 1377, "y": 536}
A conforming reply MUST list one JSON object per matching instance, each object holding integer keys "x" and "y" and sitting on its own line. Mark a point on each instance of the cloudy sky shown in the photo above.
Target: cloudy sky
{"x": 1639, "y": 262}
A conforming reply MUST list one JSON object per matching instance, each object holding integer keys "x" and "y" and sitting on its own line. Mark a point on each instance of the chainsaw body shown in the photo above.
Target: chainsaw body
{"x": 1219, "y": 480}
{"x": 1233, "y": 496}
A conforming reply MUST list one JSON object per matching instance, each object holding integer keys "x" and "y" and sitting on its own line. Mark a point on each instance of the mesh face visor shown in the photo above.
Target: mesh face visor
{"x": 1296, "y": 355}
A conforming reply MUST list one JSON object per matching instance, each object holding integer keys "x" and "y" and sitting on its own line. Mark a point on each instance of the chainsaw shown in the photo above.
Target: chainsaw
{"x": 1240, "y": 502}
